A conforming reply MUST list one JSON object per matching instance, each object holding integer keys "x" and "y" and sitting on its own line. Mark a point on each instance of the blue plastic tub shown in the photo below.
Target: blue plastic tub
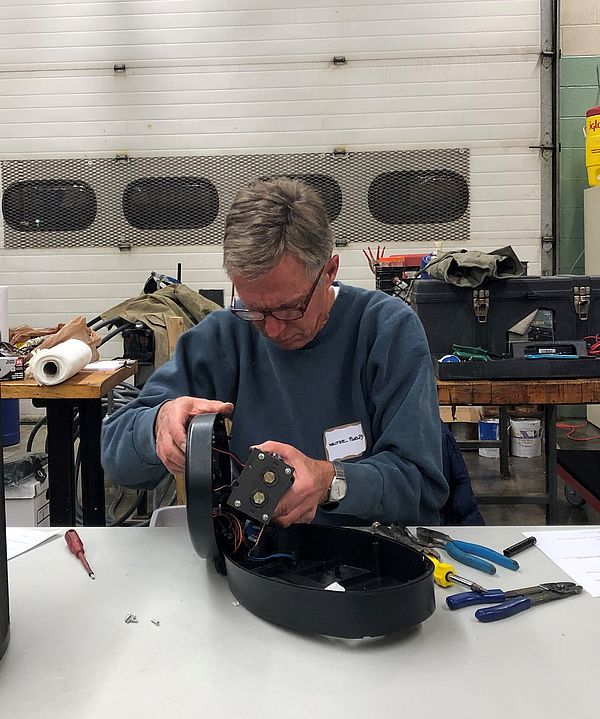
{"x": 11, "y": 433}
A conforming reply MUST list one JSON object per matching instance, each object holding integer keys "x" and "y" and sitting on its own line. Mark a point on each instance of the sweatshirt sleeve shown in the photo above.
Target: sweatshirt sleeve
{"x": 128, "y": 442}
{"x": 401, "y": 481}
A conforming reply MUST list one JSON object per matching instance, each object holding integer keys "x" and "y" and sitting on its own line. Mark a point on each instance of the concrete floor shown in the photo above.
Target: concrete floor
{"x": 527, "y": 475}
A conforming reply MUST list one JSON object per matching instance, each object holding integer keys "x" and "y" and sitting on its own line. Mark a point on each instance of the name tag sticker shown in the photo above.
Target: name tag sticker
{"x": 345, "y": 442}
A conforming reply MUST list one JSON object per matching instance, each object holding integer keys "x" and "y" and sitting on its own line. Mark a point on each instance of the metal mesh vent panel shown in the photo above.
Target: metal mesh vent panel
{"x": 377, "y": 197}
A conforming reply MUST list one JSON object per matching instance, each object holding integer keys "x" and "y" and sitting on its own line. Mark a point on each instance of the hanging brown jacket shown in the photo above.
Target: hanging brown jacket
{"x": 153, "y": 310}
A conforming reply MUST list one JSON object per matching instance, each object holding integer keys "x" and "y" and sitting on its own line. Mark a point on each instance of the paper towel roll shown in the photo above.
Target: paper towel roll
{"x": 4, "y": 314}
{"x": 56, "y": 364}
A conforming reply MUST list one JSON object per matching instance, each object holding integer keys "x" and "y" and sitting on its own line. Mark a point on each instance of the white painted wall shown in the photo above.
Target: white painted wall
{"x": 580, "y": 27}
{"x": 226, "y": 76}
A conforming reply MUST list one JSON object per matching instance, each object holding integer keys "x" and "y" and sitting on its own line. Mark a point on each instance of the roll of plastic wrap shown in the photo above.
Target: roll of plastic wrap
{"x": 4, "y": 314}
{"x": 56, "y": 364}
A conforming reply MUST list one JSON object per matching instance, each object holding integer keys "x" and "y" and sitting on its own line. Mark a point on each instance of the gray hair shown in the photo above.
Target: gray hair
{"x": 271, "y": 218}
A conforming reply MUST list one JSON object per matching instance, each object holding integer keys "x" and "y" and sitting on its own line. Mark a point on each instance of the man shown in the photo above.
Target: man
{"x": 337, "y": 380}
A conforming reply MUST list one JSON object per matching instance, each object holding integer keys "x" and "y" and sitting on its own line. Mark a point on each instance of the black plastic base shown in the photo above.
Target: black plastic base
{"x": 388, "y": 587}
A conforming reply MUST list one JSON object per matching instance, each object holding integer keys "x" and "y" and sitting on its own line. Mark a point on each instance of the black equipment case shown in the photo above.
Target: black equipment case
{"x": 386, "y": 586}
{"x": 482, "y": 317}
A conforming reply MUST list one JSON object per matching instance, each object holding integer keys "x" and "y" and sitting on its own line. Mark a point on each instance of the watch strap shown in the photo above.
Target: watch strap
{"x": 338, "y": 478}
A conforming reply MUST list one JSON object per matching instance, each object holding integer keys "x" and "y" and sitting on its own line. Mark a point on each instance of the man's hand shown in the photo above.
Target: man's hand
{"x": 170, "y": 428}
{"x": 312, "y": 479}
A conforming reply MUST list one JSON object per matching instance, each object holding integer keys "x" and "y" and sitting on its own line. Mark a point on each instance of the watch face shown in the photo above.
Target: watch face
{"x": 338, "y": 490}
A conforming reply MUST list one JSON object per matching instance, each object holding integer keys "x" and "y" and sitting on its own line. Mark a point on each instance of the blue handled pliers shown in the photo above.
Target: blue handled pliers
{"x": 512, "y": 602}
{"x": 473, "y": 555}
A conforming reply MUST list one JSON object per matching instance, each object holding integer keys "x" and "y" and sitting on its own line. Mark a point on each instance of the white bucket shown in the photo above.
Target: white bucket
{"x": 489, "y": 429}
{"x": 525, "y": 437}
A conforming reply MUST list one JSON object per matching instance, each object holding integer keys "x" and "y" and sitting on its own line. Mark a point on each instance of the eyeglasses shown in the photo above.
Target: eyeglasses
{"x": 282, "y": 313}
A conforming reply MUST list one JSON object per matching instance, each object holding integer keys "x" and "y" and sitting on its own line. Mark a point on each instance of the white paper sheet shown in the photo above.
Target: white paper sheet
{"x": 576, "y": 552}
{"x": 104, "y": 365}
{"x": 19, "y": 540}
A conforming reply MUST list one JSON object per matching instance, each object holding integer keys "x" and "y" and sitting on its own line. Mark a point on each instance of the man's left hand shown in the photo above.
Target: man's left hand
{"x": 312, "y": 479}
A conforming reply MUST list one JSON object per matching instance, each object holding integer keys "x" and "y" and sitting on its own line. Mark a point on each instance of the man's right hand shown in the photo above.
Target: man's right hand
{"x": 170, "y": 428}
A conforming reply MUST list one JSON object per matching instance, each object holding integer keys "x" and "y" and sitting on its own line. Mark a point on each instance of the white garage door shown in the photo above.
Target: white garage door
{"x": 207, "y": 78}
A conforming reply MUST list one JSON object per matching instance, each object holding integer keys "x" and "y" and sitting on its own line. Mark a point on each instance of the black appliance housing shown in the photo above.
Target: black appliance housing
{"x": 387, "y": 586}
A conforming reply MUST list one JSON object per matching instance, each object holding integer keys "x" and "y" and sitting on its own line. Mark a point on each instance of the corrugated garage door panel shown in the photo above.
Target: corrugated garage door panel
{"x": 366, "y": 105}
{"x": 73, "y": 34}
{"x": 419, "y": 74}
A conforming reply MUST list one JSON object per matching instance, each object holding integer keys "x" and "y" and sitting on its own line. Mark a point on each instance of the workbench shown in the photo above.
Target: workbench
{"x": 546, "y": 392}
{"x": 84, "y": 393}
{"x": 72, "y": 656}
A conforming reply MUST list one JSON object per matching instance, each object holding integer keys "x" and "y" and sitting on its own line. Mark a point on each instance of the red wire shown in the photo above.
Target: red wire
{"x": 231, "y": 454}
{"x": 594, "y": 344}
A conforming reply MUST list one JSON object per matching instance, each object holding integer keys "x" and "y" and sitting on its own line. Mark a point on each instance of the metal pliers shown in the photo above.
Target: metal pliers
{"x": 402, "y": 534}
{"x": 473, "y": 555}
{"x": 512, "y": 602}
{"x": 443, "y": 574}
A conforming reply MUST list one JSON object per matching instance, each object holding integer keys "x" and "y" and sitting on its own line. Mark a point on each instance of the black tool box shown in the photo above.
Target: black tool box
{"x": 482, "y": 317}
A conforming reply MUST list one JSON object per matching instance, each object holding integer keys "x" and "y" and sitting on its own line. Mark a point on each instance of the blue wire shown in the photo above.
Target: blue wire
{"x": 278, "y": 555}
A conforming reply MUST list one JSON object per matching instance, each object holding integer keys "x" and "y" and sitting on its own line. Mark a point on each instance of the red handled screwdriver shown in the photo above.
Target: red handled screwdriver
{"x": 75, "y": 545}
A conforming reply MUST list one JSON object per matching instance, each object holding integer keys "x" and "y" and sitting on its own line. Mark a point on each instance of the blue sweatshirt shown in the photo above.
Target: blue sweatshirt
{"x": 368, "y": 367}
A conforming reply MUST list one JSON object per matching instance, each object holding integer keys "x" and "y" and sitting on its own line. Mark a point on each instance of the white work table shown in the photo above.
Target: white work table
{"x": 72, "y": 655}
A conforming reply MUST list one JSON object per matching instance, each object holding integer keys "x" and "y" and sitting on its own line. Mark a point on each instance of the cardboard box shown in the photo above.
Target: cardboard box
{"x": 12, "y": 368}
{"x": 460, "y": 414}
{"x": 27, "y": 504}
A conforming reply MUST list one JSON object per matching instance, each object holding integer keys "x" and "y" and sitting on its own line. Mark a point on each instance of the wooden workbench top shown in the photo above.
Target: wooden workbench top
{"x": 531, "y": 391}
{"x": 92, "y": 384}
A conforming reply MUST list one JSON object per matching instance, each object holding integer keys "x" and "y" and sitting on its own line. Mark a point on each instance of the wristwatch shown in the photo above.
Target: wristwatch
{"x": 338, "y": 486}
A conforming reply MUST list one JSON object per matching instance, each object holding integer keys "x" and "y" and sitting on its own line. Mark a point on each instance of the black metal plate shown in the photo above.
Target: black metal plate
{"x": 261, "y": 484}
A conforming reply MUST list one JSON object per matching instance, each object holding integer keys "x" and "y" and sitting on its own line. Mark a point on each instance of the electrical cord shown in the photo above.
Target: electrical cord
{"x": 168, "y": 487}
{"x": 36, "y": 428}
{"x": 115, "y": 332}
{"x": 573, "y": 428}
{"x": 115, "y": 504}
{"x": 135, "y": 505}
{"x": 277, "y": 555}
